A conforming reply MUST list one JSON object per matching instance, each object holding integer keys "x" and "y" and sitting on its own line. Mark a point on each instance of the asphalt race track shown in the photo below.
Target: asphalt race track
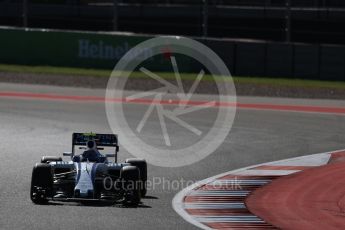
{"x": 33, "y": 127}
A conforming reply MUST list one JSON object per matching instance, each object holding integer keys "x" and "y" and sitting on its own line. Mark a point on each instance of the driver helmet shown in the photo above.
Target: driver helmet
{"x": 91, "y": 144}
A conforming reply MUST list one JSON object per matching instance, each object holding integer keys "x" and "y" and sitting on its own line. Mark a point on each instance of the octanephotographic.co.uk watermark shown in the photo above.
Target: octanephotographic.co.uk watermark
{"x": 162, "y": 124}
{"x": 167, "y": 185}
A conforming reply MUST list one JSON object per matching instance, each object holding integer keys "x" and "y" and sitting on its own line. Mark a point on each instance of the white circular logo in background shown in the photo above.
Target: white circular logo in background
{"x": 173, "y": 155}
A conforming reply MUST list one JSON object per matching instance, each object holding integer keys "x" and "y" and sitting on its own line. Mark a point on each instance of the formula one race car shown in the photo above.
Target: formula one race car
{"x": 89, "y": 176}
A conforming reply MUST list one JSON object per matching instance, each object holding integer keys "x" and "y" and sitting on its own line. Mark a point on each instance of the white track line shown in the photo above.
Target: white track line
{"x": 229, "y": 219}
{"x": 218, "y": 193}
{"x": 234, "y": 205}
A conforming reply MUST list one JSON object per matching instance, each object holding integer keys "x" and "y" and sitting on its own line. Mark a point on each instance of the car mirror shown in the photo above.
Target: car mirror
{"x": 67, "y": 154}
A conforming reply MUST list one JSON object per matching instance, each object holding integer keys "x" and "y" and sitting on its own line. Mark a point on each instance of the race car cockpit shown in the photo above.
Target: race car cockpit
{"x": 91, "y": 153}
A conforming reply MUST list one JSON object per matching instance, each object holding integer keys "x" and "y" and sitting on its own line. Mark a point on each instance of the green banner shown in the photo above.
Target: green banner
{"x": 75, "y": 49}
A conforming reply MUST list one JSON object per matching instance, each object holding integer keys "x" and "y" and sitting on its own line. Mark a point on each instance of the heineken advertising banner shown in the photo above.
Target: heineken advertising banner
{"x": 76, "y": 49}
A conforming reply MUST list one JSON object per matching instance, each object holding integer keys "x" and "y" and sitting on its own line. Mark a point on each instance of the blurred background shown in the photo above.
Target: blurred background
{"x": 272, "y": 38}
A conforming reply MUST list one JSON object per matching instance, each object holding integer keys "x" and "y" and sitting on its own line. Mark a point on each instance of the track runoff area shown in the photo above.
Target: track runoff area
{"x": 298, "y": 193}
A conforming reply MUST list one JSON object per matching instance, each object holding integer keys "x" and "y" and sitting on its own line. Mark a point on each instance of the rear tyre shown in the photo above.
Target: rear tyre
{"x": 41, "y": 183}
{"x": 130, "y": 175}
{"x": 142, "y": 166}
{"x": 47, "y": 159}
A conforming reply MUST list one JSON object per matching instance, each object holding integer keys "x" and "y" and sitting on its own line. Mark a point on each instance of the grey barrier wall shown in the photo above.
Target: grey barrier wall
{"x": 103, "y": 50}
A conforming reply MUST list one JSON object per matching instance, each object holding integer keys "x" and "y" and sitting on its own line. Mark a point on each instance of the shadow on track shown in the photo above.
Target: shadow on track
{"x": 150, "y": 198}
{"x": 118, "y": 204}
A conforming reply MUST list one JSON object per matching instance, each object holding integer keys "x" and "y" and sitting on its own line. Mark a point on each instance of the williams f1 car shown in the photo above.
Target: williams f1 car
{"x": 90, "y": 175}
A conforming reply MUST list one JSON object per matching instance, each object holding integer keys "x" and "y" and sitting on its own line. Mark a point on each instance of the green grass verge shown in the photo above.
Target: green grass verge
{"x": 54, "y": 70}
{"x": 165, "y": 75}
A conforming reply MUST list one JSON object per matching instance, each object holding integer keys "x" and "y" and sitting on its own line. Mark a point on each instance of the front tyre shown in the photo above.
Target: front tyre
{"x": 142, "y": 166}
{"x": 41, "y": 183}
{"x": 130, "y": 175}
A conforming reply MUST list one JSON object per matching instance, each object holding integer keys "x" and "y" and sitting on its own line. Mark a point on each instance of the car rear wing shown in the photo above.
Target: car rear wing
{"x": 102, "y": 140}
